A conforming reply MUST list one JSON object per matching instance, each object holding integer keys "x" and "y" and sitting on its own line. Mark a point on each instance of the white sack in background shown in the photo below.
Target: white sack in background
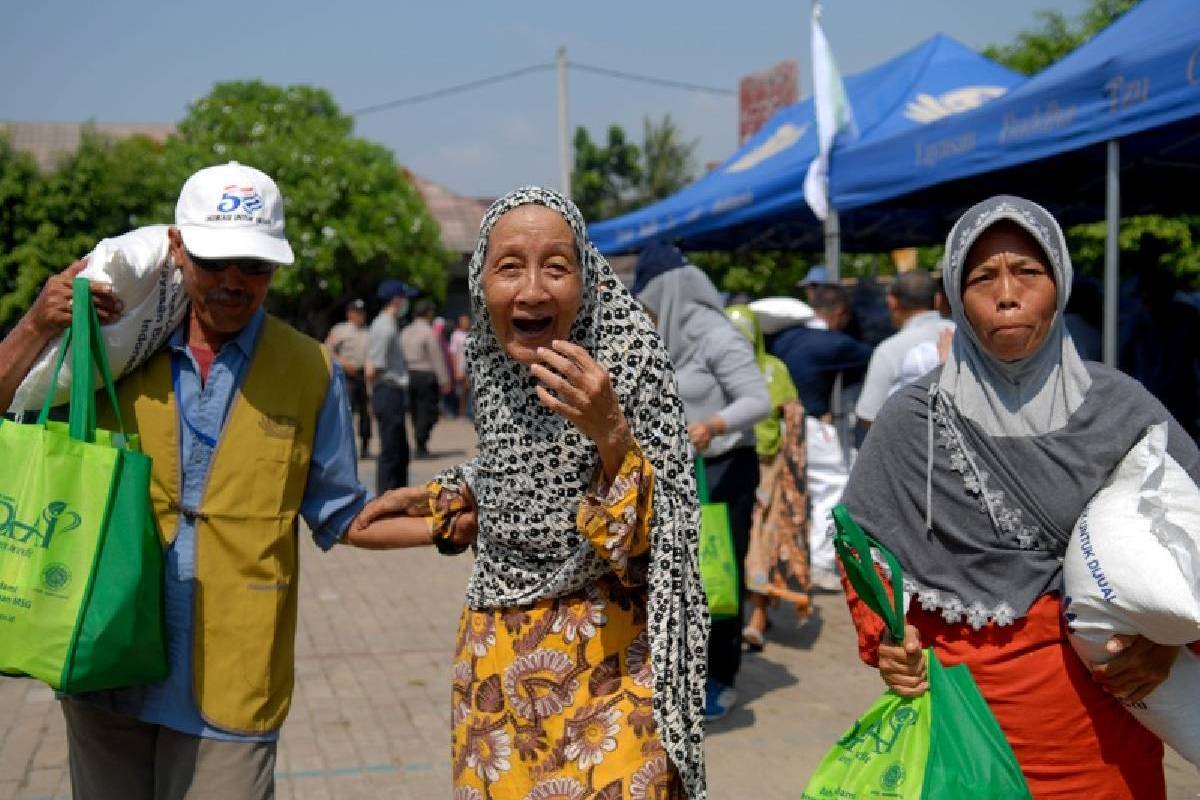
{"x": 779, "y": 313}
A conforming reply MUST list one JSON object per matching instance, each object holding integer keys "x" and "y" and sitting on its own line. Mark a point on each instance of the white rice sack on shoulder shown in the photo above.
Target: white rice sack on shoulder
{"x": 1131, "y": 568}
{"x": 139, "y": 268}
{"x": 780, "y": 313}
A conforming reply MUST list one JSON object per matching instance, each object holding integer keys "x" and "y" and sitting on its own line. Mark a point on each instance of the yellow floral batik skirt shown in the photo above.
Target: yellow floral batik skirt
{"x": 554, "y": 702}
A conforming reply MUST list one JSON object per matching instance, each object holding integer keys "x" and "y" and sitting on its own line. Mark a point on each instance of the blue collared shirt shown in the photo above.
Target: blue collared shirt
{"x": 333, "y": 496}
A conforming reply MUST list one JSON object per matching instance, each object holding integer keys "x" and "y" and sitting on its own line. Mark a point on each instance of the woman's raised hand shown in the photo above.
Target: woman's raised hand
{"x": 574, "y": 386}
{"x": 902, "y": 666}
{"x": 1141, "y": 666}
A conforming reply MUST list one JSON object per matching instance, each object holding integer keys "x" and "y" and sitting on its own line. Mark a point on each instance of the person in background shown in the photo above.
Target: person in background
{"x": 817, "y": 275}
{"x": 428, "y": 377}
{"x": 458, "y": 362}
{"x": 724, "y": 397}
{"x": 778, "y": 549}
{"x": 910, "y": 300}
{"x": 975, "y": 476}
{"x": 449, "y": 401}
{"x": 1163, "y": 349}
{"x": 387, "y": 382}
{"x": 1084, "y": 316}
{"x": 348, "y": 342}
{"x": 815, "y": 354}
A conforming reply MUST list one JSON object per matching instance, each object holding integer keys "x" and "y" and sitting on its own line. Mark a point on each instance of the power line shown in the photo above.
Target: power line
{"x": 516, "y": 73}
{"x": 630, "y": 76}
{"x": 456, "y": 89}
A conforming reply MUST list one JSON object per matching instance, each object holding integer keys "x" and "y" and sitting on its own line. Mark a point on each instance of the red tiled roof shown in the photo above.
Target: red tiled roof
{"x": 458, "y": 216}
{"x": 47, "y": 142}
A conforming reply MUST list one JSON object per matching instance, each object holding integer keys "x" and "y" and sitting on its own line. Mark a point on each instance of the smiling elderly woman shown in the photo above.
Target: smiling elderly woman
{"x": 579, "y": 667}
{"x": 974, "y": 477}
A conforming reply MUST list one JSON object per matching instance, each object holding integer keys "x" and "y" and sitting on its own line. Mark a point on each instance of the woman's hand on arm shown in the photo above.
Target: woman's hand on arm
{"x": 1139, "y": 669}
{"x": 575, "y": 387}
{"x": 401, "y": 518}
{"x": 902, "y": 666}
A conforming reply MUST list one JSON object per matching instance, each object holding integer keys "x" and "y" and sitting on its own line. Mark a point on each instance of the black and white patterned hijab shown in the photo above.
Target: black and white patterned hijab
{"x": 534, "y": 467}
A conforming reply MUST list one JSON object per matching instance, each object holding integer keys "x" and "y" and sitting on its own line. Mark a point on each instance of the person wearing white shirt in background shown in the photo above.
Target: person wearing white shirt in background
{"x": 911, "y": 302}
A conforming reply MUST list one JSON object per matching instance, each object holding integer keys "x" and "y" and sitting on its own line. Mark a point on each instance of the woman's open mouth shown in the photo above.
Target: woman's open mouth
{"x": 532, "y": 327}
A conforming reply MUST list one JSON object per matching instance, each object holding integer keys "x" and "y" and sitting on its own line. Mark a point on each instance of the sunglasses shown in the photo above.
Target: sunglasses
{"x": 251, "y": 267}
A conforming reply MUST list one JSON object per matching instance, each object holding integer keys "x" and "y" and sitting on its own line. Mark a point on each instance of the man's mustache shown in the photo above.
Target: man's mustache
{"x": 228, "y": 297}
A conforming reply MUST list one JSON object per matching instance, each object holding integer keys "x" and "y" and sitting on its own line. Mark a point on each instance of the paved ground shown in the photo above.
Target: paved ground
{"x": 370, "y": 716}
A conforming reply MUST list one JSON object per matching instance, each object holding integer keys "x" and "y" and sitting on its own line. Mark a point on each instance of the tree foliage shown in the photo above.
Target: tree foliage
{"x": 620, "y": 176}
{"x": 605, "y": 177}
{"x": 1056, "y": 36}
{"x": 352, "y": 216}
{"x": 667, "y": 160}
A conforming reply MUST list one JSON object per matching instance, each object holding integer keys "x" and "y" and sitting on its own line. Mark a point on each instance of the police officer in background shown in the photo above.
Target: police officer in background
{"x": 348, "y": 342}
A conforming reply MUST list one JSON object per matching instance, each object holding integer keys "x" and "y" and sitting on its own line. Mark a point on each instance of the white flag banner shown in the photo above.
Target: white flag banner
{"x": 833, "y": 115}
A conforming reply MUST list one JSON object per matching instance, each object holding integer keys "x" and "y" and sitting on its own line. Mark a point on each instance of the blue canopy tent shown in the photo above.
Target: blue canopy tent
{"x": 1113, "y": 127}
{"x": 756, "y": 197}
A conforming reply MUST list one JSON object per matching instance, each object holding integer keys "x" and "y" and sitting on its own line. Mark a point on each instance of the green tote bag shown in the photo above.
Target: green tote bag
{"x": 943, "y": 745}
{"x": 718, "y": 559}
{"x": 81, "y": 566}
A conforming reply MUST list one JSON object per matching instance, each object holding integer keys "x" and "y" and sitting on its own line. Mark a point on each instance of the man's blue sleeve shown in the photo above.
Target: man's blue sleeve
{"x": 333, "y": 495}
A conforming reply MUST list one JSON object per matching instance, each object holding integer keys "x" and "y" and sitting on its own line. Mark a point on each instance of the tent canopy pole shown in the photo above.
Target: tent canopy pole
{"x": 1112, "y": 252}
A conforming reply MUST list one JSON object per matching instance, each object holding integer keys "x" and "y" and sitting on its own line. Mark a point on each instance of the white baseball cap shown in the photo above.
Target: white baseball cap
{"x": 232, "y": 211}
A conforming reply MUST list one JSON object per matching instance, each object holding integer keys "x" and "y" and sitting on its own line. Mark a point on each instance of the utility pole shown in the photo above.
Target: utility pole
{"x": 564, "y": 144}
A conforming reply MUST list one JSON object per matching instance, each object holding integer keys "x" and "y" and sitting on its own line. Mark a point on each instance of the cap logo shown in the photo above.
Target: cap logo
{"x": 239, "y": 204}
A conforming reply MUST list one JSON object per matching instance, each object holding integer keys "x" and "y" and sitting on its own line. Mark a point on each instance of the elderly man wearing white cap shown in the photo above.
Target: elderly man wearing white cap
{"x": 248, "y": 426}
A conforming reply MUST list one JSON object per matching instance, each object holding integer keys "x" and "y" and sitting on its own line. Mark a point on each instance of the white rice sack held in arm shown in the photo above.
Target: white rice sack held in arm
{"x": 1131, "y": 568}
{"x": 139, "y": 268}
{"x": 780, "y": 313}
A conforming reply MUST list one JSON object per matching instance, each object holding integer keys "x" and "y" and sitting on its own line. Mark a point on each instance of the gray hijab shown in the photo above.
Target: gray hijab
{"x": 687, "y": 306}
{"x": 1035, "y": 395}
{"x": 975, "y": 475}
{"x": 534, "y": 467}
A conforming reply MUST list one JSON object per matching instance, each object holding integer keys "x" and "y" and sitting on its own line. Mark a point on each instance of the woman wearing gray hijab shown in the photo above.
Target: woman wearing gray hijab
{"x": 975, "y": 476}
{"x": 724, "y": 397}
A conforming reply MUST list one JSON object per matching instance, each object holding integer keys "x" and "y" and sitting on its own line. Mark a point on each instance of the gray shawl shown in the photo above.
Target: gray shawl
{"x": 975, "y": 475}
{"x": 534, "y": 467}
{"x": 687, "y": 306}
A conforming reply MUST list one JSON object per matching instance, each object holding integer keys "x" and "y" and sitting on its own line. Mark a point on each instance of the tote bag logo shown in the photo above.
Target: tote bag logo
{"x": 55, "y": 519}
{"x": 880, "y": 736}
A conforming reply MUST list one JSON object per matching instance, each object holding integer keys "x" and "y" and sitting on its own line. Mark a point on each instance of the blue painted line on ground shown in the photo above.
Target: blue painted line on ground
{"x": 342, "y": 772}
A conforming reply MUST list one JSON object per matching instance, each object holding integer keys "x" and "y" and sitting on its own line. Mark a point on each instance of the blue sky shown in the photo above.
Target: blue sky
{"x": 144, "y": 62}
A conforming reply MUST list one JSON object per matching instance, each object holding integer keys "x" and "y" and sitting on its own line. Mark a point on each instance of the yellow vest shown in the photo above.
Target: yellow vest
{"x": 244, "y": 626}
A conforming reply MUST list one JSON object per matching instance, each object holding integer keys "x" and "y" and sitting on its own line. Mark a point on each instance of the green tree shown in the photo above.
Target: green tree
{"x": 1056, "y": 36}
{"x": 352, "y": 216}
{"x": 102, "y": 189}
{"x": 667, "y": 160}
{"x": 605, "y": 178}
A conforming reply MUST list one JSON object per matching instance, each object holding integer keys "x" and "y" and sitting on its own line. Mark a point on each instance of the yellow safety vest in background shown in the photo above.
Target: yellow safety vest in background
{"x": 243, "y": 660}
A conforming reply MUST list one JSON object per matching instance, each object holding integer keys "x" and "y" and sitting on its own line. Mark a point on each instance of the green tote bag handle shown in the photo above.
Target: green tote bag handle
{"x": 854, "y": 546}
{"x": 701, "y": 481}
{"x": 86, "y": 344}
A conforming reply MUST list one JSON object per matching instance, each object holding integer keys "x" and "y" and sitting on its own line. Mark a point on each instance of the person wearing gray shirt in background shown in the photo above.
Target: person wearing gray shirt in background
{"x": 428, "y": 377}
{"x": 911, "y": 302}
{"x": 387, "y": 380}
{"x": 724, "y": 396}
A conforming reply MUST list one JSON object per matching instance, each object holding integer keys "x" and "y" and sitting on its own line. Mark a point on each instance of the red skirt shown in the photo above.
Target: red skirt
{"x": 1071, "y": 738}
